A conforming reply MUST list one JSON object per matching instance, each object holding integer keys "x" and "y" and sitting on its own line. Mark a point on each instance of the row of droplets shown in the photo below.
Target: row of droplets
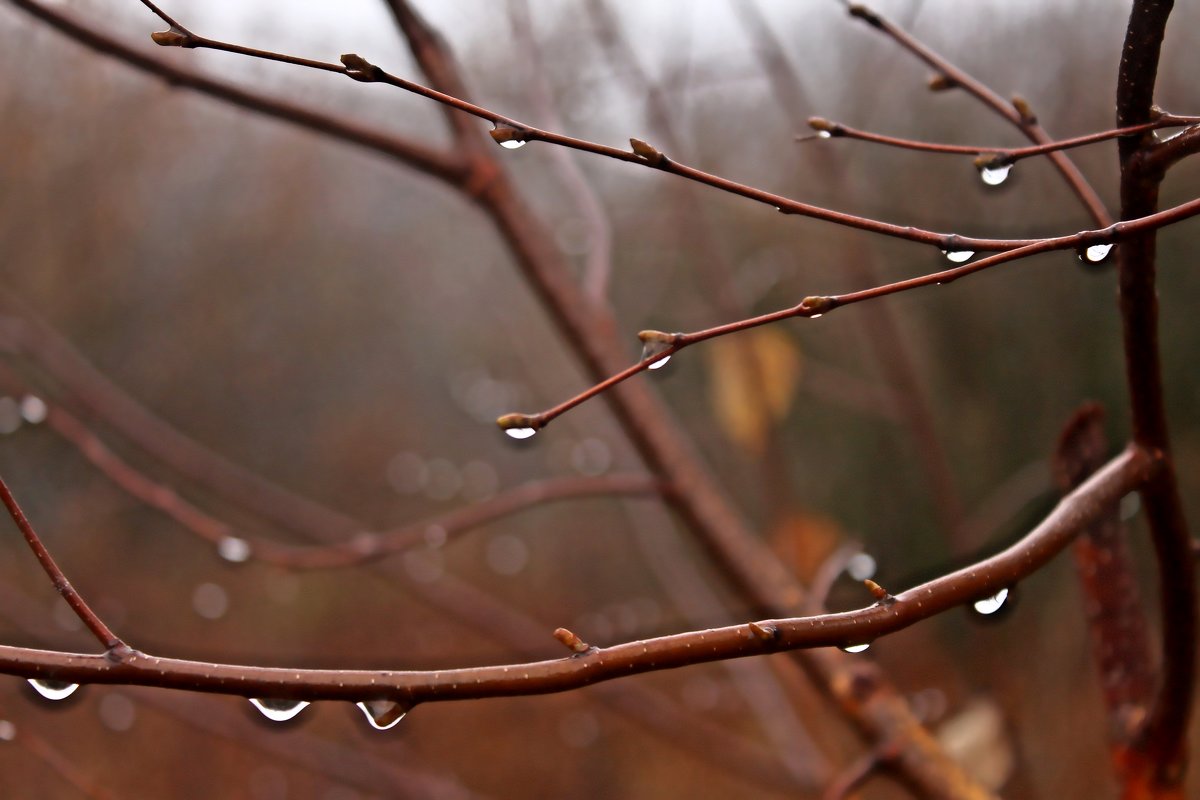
{"x": 1093, "y": 254}
{"x": 381, "y": 714}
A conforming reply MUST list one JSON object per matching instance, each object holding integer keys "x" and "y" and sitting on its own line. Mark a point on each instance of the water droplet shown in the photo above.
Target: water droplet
{"x": 279, "y": 710}
{"x": 861, "y": 566}
{"x": 383, "y": 714}
{"x": 33, "y": 409}
{"x": 231, "y": 548}
{"x": 958, "y": 256}
{"x": 856, "y": 648}
{"x": 662, "y": 362}
{"x": 994, "y": 176}
{"x": 520, "y": 433}
{"x": 53, "y": 690}
{"x": 8, "y": 731}
{"x": 824, "y": 135}
{"x": 816, "y": 316}
{"x": 990, "y": 605}
{"x": 507, "y": 137}
{"x": 1094, "y": 254}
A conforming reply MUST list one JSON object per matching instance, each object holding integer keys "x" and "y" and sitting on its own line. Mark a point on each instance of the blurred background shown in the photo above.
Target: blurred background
{"x": 347, "y": 329}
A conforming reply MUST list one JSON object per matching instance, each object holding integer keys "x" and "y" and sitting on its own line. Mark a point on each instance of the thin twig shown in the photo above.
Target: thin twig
{"x": 114, "y": 647}
{"x": 997, "y": 155}
{"x": 509, "y": 129}
{"x": 812, "y": 307}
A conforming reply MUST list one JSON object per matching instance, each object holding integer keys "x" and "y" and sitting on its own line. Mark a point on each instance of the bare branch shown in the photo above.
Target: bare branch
{"x": 1123, "y": 474}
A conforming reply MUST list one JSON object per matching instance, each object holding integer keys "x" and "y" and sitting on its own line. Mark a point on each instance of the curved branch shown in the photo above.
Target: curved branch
{"x": 1123, "y": 474}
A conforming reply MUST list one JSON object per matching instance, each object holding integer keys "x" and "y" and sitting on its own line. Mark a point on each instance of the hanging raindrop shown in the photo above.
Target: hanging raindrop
{"x": 958, "y": 256}
{"x": 856, "y": 648}
{"x": 520, "y": 433}
{"x": 507, "y": 137}
{"x": 990, "y": 605}
{"x": 519, "y": 426}
{"x": 994, "y": 176}
{"x": 1096, "y": 254}
{"x": 279, "y": 710}
{"x": 53, "y": 690}
{"x": 383, "y": 714}
{"x": 653, "y": 347}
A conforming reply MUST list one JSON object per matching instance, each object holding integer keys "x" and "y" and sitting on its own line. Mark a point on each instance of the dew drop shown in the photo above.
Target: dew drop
{"x": 507, "y": 137}
{"x": 958, "y": 256}
{"x": 383, "y": 714}
{"x": 994, "y": 176}
{"x": 856, "y": 648}
{"x": 279, "y": 710}
{"x": 53, "y": 690}
{"x": 1096, "y": 254}
{"x": 662, "y": 362}
{"x": 231, "y": 548}
{"x": 520, "y": 433}
{"x": 512, "y": 144}
{"x": 824, "y": 135}
{"x": 990, "y": 605}
{"x": 33, "y": 409}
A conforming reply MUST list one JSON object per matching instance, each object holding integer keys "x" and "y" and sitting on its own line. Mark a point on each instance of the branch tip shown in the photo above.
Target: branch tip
{"x": 865, "y": 14}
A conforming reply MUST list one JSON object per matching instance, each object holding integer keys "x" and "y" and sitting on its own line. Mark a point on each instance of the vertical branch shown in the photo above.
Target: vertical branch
{"x": 1161, "y": 746}
{"x": 1119, "y": 633}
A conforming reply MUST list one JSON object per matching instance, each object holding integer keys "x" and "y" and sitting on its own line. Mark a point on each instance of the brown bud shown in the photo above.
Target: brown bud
{"x": 571, "y": 641}
{"x": 763, "y": 632}
{"x": 646, "y": 151}
{"x": 171, "y": 38}
{"x": 877, "y": 591}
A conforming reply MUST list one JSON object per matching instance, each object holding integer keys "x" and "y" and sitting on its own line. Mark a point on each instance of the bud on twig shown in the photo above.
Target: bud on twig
{"x": 359, "y": 68}
{"x": 941, "y": 82}
{"x": 1021, "y": 105}
{"x": 172, "y": 38}
{"x": 647, "y": 151}
{"x": 571, "y": 641}
{"x": 764, "y": 632}
{"x": 877, "y": 591}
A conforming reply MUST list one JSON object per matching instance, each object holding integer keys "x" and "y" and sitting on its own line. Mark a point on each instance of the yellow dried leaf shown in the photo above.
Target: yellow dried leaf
{"x": 752, "y": 382}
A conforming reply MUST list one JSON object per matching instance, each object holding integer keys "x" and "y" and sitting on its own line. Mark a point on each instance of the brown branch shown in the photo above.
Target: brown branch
{"x": 1116, "y": 621}
{"x": 662, "y": 346}
{"x": 1080, "y": 508}
{"x": 1017, "y": 113}
{"x": 513, "y": 131}
{"x": 114, "y": 647}
{"x": 430, "y": 162}
{"x": 996, "y": 156}
{"x": 469, "y": 605}
{"x": 1161, "y": 746}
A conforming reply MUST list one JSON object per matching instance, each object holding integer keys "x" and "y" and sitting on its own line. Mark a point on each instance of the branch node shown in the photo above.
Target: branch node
{"x": 941, "y": 82}
{"x": 172, "y": 38}
{"x": 1022, "y": 107}
{"x": 571, "y": 641}
{"x": 826, "y": 128}
{"x": 360, "y": 69}
{"x": 647, "y": 152}
{"x": 881, "y": 595}
{"x": 815, "y": 306}
{"x": 766, "y": 633}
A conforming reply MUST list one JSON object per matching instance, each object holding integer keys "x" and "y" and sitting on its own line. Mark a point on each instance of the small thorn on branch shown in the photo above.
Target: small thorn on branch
{"x": 571, "y": 641}
{"x": 647, "y": 151}
{"x": 359, "y": 68}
